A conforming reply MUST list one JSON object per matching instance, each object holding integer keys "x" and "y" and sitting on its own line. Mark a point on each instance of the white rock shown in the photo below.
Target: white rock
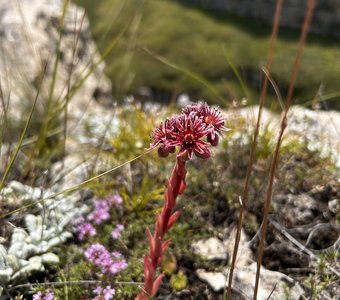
{"x": 244, "y": 281}
{"x": 244, "y": 254}
{"x": 318, "y": 129}
{"x": 216, "y": 280}
{"x": 30, "y": 29}
{"x": 210, "y": 249}
{"x": 334, "y": 206}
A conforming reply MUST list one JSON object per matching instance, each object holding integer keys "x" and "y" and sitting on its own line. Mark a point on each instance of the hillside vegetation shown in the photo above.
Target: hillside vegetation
{"x": 204, "y": 44}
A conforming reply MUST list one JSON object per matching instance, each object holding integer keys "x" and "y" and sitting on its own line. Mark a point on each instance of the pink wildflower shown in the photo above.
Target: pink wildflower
{"x": 105, "y": 294}
{"x": 117, "y": 266}
{"x": 100, "y": 213}
{"x": 191, "y": 130}
{"x": 162, "y": 136}
{"x": 116, "y": 233}
{"x": 194, "y": 131}
{"x": 116, "y": 254}
{"x": 116, "y": 200}
{"x": 48, "y": 295}
{"x": 211, "y": 117}
{"x": 100, "y": 256}
{"x": 84, "y": 230}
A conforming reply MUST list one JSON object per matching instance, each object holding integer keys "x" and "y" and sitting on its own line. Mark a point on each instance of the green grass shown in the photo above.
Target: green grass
{"x": 193, "y": 39}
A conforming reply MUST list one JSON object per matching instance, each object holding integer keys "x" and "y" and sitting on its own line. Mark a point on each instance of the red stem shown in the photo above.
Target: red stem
{"x": 175, "y": 186}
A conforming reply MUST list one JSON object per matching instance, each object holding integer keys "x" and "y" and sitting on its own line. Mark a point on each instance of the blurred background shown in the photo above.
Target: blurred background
{"x": 216, "y": 49}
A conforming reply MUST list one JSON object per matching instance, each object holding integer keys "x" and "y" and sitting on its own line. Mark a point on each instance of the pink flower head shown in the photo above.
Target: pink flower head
{"x": 191, "y": 130}
{"x": 116, "y": 200}
{"x": 194, "y": 131}
{"x": 213, "y": 117}
{"x": 105, "y": 294}
{"x": 48, "y": 295}
{"x": 210, "y": 116}
{"x": 101, "y": 257}
{"x": 196, "y": 108}
{"x": 98, "y": 255}
{"x": 117, "y": 266}
{"x": 162, "y": 136}
{"x": 116, "y": 233}
{"x": 84, "y": 230}
{"x": 100, "y": 213}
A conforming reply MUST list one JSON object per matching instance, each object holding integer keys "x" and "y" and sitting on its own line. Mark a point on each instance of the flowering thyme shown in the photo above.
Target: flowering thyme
{"x": 116, "y": 233}
{"x": 101, "y": 212}
{"x": 85, "y": 229}
{"x": 104, "y": 294}
{"x": 48, "y": 295}
{"x": 116, "y": 200}
{"x": 110, "y": 263}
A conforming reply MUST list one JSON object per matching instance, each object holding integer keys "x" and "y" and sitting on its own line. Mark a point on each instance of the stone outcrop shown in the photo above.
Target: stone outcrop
{"x": 320, "y": 129}
{"x": 30, "y": 38}
{"x": 29, "y": 42}
{"x": 326, "y": 18}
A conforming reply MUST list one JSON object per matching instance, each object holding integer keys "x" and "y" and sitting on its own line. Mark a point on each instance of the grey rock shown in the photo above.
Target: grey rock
{"x": 71, "y": 171}
{"x": 244, "y": 280}
{"x": 30, "y": 29}
{"x": 296, "y": 209}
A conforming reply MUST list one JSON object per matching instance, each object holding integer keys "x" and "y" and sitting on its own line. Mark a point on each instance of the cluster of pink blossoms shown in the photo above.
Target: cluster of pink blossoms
{"x": 99, "y": 215}
{"x": 193, "y": 131}
{"x": 110, "y": 263}
{"x": 48, "y": 295}
{"x": 101, "y": 212}
{"x": 116, "y": 233}
{"x": 85, "y": 229}
{"x": 104, "y": 294}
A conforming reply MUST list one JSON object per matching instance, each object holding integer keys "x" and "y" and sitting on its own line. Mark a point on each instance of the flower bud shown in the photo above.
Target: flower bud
{"x": 213, "y": 141}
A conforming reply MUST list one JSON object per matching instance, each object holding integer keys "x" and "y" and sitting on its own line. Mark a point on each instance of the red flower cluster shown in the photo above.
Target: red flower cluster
{"x": 194, "y": 131}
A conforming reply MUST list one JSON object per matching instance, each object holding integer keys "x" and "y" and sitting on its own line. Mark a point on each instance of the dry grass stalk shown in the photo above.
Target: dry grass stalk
{"x": 283, "y": 125}
{"x": 254, "y": 143}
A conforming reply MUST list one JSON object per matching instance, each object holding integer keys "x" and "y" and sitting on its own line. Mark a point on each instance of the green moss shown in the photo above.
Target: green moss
{"x": 169, "y": 264}
{"x": 322, "y": 280}
{"x": 74, "y": 288}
